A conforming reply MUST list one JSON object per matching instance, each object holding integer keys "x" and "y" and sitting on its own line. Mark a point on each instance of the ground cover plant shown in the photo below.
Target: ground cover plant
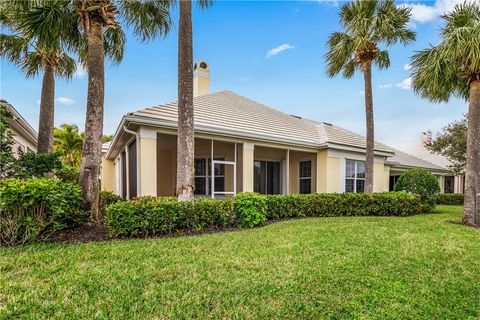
{"x": 416, "y": 267}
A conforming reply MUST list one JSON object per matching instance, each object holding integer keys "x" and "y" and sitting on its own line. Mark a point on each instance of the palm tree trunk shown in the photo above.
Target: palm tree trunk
{"x": 47, "y": 110}
{"x": 185, "y": 140}
{"x": 369, "y": 164}
{"x": 92, "y": 147}
{"x": 471, "y": 210}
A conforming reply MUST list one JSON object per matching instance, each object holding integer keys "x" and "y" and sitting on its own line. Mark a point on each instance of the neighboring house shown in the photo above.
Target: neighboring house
{"x": 25, "y": 137}
{"x": 242, "y": 145}
{"x": 451, "y": 183}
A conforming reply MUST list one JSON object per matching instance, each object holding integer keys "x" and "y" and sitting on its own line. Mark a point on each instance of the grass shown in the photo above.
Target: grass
{"x": 419, "y": 267}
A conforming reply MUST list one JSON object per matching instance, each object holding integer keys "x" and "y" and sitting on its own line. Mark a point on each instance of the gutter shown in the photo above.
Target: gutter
{"x": 137, "y": 144}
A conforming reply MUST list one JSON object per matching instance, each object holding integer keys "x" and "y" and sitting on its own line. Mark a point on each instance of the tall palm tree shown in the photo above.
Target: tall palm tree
{"x": 100, "y": 20}
{"x": 68, "y": 142}
{"x": 367, "y": 25}
{"x": 452, "y": 68}
{"x": 185, "y": 137}
{"x": 22, "y": 46}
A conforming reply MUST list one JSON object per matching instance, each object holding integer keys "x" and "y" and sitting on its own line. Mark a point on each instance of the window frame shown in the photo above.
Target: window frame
{"x": 208, "y": 174}
{"x": 355, "y": 177}
{"x": 300, "y": 178}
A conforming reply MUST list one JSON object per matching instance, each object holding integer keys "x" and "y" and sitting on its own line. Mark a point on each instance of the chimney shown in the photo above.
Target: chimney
{"x": 425, "y": 140}
{"x": 201, "y": 78}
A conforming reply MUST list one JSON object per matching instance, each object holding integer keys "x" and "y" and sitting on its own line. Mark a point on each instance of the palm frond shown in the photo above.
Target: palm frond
{"x": 13, "y": 47}
{"x": 114, "y": 44}
{"x": 383, "y": 60}
{"x": 149, "y": 18}
{"x": 341, "y": 50}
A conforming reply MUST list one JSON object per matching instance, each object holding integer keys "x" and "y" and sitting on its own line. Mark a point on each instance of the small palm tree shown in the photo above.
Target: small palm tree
{"x": 68, "y": 142}
{"x": 452, "y": 68}
{"x": 22, "y": 46}
{"x": 367, "y": 25}
{"x": 185, "y": 137}
{"x": 100, "y": 22}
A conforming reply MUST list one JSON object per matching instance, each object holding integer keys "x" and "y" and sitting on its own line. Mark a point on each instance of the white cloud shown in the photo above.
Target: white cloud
{"x": 80, "y": 71}
{"x": 277, "y": 50}
{"x": 425, "y": 13}
{"x": 407, "y": 67}
{"x": 65, "y": 101}
{"x": 333, "y": 3}
{"x": 385, "y": 86}
{"x": 405, "y": 84}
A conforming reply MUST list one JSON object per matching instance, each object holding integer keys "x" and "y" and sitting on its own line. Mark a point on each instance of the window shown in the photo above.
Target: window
{"x": 266, "y": 177}
{"x": 305, "y": 172}
{"x": 203, "y": 174}
{"x": 355, "y": 176}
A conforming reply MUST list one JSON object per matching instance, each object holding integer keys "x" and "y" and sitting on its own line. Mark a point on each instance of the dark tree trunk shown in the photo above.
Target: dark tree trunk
{"x": 47, "y": 110}
{"x": 471, "y": 210}
{"x": 92, "y": 145}
{"x": 369, "y": 164}
{"x": 185, "y": 142}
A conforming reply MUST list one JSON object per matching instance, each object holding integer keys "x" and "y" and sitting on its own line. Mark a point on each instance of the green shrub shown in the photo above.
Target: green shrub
{"x": 346, "y": 204}
{"x": 36, "y": 165}
{"x": 152, "y": 216}
{"x": 69, "y": 174}
{"x": 250, "y": 209}
{"x": 421, "y": 182}
{"x": 106, "y": 198}
{"x": 30, "y": 207}
{"x": 452, "y": 199}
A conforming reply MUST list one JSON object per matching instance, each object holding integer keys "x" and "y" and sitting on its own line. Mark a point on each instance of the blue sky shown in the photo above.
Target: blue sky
{"x": 236, "y": 38}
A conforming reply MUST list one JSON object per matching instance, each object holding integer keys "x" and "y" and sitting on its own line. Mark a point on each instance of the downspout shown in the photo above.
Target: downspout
{"x": 137, "y": 138}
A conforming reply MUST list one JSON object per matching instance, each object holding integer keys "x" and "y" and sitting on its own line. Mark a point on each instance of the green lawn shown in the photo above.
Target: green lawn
{"x": 419, "y": 267}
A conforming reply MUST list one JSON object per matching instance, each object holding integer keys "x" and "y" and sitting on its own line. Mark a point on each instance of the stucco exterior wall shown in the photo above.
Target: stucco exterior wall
{"x": 21, "y": 142}
{"x": 107, "y": 174}
{"x": 147, "y": 162}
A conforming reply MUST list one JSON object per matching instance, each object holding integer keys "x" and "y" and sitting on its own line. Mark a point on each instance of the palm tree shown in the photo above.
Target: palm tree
{"x": 452, "y": 68}
{"x": 68, "y": 142}
{"x": 99, "y": 20}
{"x": 367, "y": 24}
{"x": 185, "y": 137}
{"x": 23, "y": 46}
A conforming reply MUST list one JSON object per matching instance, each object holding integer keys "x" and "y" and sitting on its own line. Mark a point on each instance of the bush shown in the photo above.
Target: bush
{"x": 69, "y": 174}
{"x": 36, "y": 165}
{"x": 421, "y": 182}
{"x": 30, "y": 207}
{"x": 250, "y": 209}
{"x": 452, "y": 199}
{"x": 150, "y": 216}
{"x": 346, "y": 204}
{"x": 106, "y": 198}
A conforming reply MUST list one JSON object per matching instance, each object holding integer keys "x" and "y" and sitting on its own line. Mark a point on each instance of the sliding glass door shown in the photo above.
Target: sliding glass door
{"x": 266, "y": 177}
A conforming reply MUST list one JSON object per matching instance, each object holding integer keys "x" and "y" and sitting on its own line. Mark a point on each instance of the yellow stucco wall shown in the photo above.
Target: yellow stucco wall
{"x": 386, "y": 178}
{"x": 329, "y": 172}
{"x": 107, "y": 175}
{"x": 247, "y": 167}
{"x": 378, "y": 177}
{"x": 148, "y": 167}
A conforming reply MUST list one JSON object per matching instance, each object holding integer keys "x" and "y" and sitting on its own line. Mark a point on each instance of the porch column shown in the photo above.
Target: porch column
{"x": 247, "y": 166}
{"x": 147, "y": 162}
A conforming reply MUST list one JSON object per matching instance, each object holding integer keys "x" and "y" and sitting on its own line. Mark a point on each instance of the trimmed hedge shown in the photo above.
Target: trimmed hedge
{"x": 452, "y": 199}
{"x": 152, "y": 216}
{"x": 30, "y": 207}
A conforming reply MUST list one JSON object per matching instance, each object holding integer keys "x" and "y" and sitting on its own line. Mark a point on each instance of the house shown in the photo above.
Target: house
{"x": 242, "y": 145}
{"x": 24, "y": 136}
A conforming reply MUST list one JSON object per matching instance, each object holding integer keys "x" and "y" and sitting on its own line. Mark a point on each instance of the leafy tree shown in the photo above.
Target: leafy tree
{"x": 452, "y": 144}
{"x": 367, "y": 25}
{"x": 452, "y": 68}
{"x": 68, "y": 143}
{"x": 37, "y": 165}
{"x": 185, "y": 138}
{"x": 107, "y": 138}
{"x": 23, "y": 47}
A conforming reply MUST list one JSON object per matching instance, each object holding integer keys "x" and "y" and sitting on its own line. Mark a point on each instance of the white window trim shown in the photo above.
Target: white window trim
{"x": 207, "y": 176}
{"x": 354, "y": 175}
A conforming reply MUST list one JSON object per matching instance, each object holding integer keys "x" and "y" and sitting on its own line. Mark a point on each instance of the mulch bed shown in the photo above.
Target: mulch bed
{"x": 87, "y": 232}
